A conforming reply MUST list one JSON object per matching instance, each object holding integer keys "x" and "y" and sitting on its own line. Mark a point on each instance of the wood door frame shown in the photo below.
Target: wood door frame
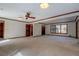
{"x": 77, "y": 29}
{"x": 30, "y": 30}
{"x": 3, "y": 27}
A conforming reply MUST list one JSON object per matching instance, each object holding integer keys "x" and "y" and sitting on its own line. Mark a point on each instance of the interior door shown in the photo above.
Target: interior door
{"x": 1, "y": 30}
{"x": 43, "y": 29}
{"x": 29, "y": 29}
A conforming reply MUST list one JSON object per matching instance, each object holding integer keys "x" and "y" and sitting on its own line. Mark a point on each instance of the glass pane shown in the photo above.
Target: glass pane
{"x": 64, "y": 28}
{"x": 53, "y": 28}
{"x": 57, "y": 28}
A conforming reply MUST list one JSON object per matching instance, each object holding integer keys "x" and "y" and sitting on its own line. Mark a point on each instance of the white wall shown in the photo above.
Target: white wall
{"x": 47, "y": 29}
{"x": 13, "y": 29}
{"x": 71, "y": 29}
{"x": 36, "y": 29}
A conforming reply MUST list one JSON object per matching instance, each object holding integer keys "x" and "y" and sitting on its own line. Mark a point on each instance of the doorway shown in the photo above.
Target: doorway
{"x": 29, "y": 29}
{"x": 1, "y": 29}
{"x": 77, "y": 29}
{"x": 43, "y": 29}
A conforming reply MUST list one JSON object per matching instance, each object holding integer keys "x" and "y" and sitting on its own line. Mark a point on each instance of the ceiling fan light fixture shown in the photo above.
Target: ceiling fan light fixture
{"x": 28, "y": 15}
{"x": 44, "y": 5}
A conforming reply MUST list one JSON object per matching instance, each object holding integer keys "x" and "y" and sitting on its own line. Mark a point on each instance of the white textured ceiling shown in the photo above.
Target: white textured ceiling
{"x": 15, "y": 10}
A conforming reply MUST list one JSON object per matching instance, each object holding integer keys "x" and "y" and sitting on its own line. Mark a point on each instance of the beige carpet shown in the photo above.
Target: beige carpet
{"x": 40, "y": 46}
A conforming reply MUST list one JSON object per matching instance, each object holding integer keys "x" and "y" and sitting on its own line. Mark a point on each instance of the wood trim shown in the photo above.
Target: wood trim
{"x": 77, "y": 29}
{"x": 14, "y": 20}
{"x": 44, "y": 18}
{"x": 60, "y": 22}
{"x": 57, "y": 16}
{"x": 76, "y": 18}
{"x": 3, "y": 28}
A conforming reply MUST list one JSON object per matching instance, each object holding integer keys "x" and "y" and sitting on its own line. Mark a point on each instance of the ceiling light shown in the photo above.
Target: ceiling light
{"x": 44, "y": 5}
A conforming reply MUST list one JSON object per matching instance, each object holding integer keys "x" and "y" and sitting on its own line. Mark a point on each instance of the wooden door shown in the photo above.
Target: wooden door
{"x": 1, "y": 30}
{"x": 29, "y": 29}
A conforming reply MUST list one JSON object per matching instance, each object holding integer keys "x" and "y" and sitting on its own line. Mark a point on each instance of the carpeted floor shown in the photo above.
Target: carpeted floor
{"x": 40, "y": 46}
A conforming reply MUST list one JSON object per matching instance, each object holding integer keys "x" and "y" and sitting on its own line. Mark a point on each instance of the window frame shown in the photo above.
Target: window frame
{"x": 60, "y": 29}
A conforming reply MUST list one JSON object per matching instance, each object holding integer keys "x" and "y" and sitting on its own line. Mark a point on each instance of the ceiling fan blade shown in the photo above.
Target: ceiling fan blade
{"x": 26, "y": 18}
{"x": 32, "y": 17}
{"x": 29, "y": 16}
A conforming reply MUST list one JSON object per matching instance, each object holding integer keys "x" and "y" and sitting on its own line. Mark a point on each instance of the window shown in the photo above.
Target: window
{"x": 53, "y": 28}
{"x": 60, "y": 28}
{"x": 64, "y": 28}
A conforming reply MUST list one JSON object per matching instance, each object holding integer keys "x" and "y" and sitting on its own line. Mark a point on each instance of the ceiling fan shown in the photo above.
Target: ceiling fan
{"x": 28, "y": 15}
